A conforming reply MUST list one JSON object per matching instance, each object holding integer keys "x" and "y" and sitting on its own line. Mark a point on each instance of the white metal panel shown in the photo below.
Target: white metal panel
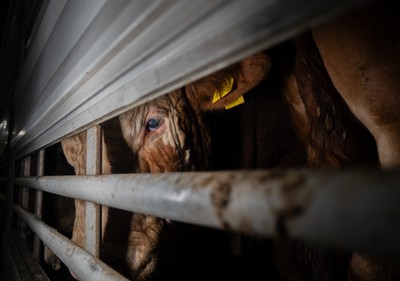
{"x": 102, "y": 57}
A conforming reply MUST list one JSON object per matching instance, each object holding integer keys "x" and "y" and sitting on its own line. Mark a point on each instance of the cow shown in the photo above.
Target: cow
{"x": 360, "y": 53}
{"x": 167, "y": 134}
{"x": 342, "y": 93}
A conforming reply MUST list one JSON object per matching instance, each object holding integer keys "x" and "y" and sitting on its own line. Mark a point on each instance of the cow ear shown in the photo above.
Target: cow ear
{"x": 225, "y": 88}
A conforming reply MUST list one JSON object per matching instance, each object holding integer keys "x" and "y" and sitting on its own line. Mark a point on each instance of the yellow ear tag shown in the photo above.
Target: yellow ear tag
{"x": 226, "y": 89}
{"x": 238, "y": 101}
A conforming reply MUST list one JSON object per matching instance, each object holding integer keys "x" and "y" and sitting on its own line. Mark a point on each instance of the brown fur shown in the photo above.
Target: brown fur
{"x": 335, "y": 138}
{"x": 75, "y": 152}
{"x": 360, "y": 52}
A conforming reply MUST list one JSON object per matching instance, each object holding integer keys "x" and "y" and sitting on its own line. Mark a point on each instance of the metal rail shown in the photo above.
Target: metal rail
{"x": 84, "y": 265}
{"x": 345, "y": 209}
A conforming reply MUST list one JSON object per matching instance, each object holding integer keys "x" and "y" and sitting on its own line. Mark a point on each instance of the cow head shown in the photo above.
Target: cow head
{"x": 168, "y": 134}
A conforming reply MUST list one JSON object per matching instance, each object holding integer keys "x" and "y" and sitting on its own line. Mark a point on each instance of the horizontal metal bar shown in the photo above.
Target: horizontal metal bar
{"x": 83, "y": 264}
{"x": 348, "y": 208}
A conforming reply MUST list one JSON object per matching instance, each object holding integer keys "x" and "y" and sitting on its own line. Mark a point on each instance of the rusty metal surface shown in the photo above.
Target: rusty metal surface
{"x": 347, "y": 209}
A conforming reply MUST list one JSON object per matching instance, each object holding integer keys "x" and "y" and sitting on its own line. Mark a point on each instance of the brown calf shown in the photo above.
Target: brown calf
{"x": 167, "y": 134}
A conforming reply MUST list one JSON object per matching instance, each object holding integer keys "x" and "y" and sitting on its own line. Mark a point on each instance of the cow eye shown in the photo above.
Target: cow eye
{"x": 152, "y": 124}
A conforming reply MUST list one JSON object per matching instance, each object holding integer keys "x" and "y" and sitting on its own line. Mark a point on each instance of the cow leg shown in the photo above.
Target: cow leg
{"x": 360, "y": 52}
{"x": 143, "y": 243}
{"x": 75, "y": 152}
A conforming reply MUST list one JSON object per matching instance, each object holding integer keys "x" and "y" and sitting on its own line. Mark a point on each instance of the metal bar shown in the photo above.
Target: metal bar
{"x": 48, "y": 255}
{"x": 39, "y": 202}
{"x": 93, "y": 167}
{"x": 10, "y": 193}
{"x": 26, "y": 168}
{"x": 26, "y": 173}
{"x": 347, "y": 208}
{"x": 82, "y": 263}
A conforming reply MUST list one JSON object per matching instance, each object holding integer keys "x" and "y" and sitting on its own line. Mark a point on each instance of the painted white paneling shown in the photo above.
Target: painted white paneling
{"x": 92, "y": 60}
